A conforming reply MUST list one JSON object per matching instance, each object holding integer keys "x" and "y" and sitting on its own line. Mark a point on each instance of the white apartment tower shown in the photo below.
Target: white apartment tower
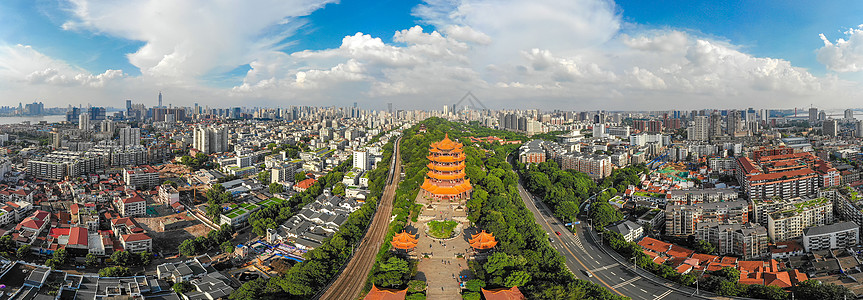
{"x": 130, "y": 136}
{"x": 211, "y": 139}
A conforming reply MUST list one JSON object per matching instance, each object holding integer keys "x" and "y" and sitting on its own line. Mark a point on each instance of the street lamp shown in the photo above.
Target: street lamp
{"x": 634, "y": 266}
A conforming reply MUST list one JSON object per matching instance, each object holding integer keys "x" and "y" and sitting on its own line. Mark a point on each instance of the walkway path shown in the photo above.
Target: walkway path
{"x": 442, "y": 271}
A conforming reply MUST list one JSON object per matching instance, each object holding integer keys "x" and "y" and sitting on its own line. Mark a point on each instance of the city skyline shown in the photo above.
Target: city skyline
{"x": 423, "y": 55}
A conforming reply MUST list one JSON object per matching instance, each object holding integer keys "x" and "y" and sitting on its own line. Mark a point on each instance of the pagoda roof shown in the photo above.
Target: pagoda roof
{"x": 429, "y": 186}
{"x": 482, "y": 240}
{"x": 385, "y": 294}
{"x": 512, "y": 293}
{"x": 404, "y": 241}
{"x": 447, "y": 158}
{"x": 436, "y": 167}
{"x": 452, "y": 176}
{"x": 446, "y": 144}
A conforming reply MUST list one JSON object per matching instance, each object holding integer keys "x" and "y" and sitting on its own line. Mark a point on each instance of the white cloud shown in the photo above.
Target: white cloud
{"x": 188, "y": 39}
{"x": 23, "y": 64}
{"x": 843, "y": 55}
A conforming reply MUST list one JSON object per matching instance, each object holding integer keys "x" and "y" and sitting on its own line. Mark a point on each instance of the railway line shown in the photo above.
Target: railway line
{"x": 351, "y": 280}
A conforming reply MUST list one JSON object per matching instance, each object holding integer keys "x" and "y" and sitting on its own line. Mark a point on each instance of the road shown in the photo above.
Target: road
{"x": 583, "y": 254}
{"x": 351, "y": 280}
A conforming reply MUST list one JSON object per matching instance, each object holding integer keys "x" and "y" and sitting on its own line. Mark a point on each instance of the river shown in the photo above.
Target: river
{"x": 32, "y": 119}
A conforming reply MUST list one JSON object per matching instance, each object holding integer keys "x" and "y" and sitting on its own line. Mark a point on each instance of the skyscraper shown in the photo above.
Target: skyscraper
{"x": 211, "y": 139}
{"x": 698, "y": 132}
{"x": 829, "y": 127}
{"x": 849, "y": 114}
{"x": 715, "y": 127}
{"x": 160, "y": 99}
{"x": 813, "y": 116}
{"x": 84, "y": 121}
{"x": 130, "y": 136}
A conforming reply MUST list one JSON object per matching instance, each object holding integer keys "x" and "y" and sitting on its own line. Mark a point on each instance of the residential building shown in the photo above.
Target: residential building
{"x": 789, "y": 224}
{"x": 745, "y": 240}
{"x": 531, "y": 152}
{"x": 681, "y": 220}
{"x": 143, "y": 177}
{"x": 211, "y": 139}
{"x": 168, "y": 194}
{"x": 834, "y": 236}
{"x": 132, "y": 206}
{"x": 630, "y": 231}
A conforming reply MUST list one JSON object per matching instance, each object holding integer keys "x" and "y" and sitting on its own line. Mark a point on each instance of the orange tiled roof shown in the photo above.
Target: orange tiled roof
{"x": 482, "y": 240}
{"x": 404, "y": 241}
{"x": 386, "y": 294}
{"x": 503, "y": 294}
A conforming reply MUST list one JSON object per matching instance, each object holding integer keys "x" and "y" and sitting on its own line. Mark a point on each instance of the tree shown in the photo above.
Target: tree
{"x": 52, "y": 263}
{"x": 121, "y": 258}
{"x": 183, "y": 286}
{"x": 276, "y": 188}
{"x": 416, "y": 286}
{"x": 471, "y": 296}
{"x": 227, "y": 247}
{"x": 61, "y": 255}
{"x": 392, "y": 273}
{"x": 144, "y": 258}
{"x": 339, "y": 189}
{"x": 91, "y": 260}
{"x": 603, "y": 214}
{"x": 517, "y": 278}
{"x": 188, "y": 247}
{"x": 705, "y": 247}
{"x": 23, "y": 251}
{"x": 7, "y": 244}
{"x": 299, "y": 177}
{"x": 813, "y": 289}
{"x": 474, "y": 284}
{"x": 116, "y": 271}
{"x": 416, "y": 296}
{"x": 264, "y": 176}
{"x": 567, "y": 210}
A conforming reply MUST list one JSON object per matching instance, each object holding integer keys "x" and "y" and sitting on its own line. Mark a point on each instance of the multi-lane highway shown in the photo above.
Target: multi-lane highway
{"x": 584, "y": 256}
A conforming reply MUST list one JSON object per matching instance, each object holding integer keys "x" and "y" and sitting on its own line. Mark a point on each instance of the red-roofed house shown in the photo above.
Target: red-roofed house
{"x": 304, "y": 185}
{"x": 137, "y": 242}
{"x": 132, "y": 206}
{"x": 78, "y": 239}
{"x": 32, "y": 226}
{"x": 654, "y": 245}
{"x": 677, "y": 251}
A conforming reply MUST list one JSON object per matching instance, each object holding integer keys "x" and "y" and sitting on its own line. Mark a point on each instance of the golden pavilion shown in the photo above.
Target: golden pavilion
{"x": 445, "y": 179}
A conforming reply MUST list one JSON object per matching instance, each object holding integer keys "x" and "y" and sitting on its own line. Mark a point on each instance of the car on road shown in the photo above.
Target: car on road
{"x": 586, "y": 273}
{"x": 550, "y": 240}
{"x": 558, "y": 232}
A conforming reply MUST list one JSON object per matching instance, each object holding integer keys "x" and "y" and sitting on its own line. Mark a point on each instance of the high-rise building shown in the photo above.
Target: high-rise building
{"x": 130, "y": 136}
{"x": 829, "y": 127}
{"x": 715, "y": 124}
{"x": 390, "y": 107}
{"x": 96, "y": 113}
{"x": 84, "y": 121}
{"x": 211, "y": 139}
{"x": 732, "y": 122}
{"x": 813, "y": 116}
{"x": 361, "y": 160}
{"x": 849, "y": 114}
{"x": 859, "y": 128}
{"x": 698, "y": 131}
{"x": 107, "y": 126}
{"x": 160, "y": 99}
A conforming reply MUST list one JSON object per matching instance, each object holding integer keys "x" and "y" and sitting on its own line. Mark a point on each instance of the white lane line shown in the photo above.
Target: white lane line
{"x": 663, "y": 295}
{"x": 605, "y": 267}
{"x": 616, "y": 286}
{"x": 643, "y": 291}
{"x": 612, "y": 273}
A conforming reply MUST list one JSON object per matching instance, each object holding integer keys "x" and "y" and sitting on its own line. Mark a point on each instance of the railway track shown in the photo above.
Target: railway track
{"x": 352, "y": 279}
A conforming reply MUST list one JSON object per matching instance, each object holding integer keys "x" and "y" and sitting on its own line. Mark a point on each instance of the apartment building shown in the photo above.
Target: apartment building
{"x": 531, "y": 152}
{"x": 696, "y": 196}
{"x": 789, "y": 224}
{"x": 833, "y": 236}
{"x": 784, "y": 175}
{"x": 132, "y": 206}
{"x": 168, "y": 194}
{"x": 59, "y": 164}
{"x": 681, "y": 220}
{"x": 745, "y": 240}
{"x": 143, "y": 177}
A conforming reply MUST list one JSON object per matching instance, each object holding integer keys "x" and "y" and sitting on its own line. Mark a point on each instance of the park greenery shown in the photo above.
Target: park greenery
{"x": 199, "y": 161}
{"x": 523, "y": 258}
{"x": 441, "y": 229}
{"x": 305, "y": 279}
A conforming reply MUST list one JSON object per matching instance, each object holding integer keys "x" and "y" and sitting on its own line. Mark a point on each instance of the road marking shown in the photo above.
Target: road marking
{"x": 627, "y": 282}
{"x": 612, "y": 273}
{"x": 643, "y": 291}
{"x": 605, "y": 267}
{"x": 663, "y": 295}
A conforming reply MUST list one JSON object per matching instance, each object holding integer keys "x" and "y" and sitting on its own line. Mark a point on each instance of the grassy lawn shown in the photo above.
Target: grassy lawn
{"x": 441, "y": 229}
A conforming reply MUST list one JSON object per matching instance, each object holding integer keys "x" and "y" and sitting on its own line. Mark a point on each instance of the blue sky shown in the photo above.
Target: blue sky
{"x": 546, "y": 53}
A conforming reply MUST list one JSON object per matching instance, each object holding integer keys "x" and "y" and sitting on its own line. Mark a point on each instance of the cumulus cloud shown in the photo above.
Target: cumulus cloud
{"x": 22, "y": 63}
{"x": 843, "y": 55}
{"x": 188, "y": 39}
